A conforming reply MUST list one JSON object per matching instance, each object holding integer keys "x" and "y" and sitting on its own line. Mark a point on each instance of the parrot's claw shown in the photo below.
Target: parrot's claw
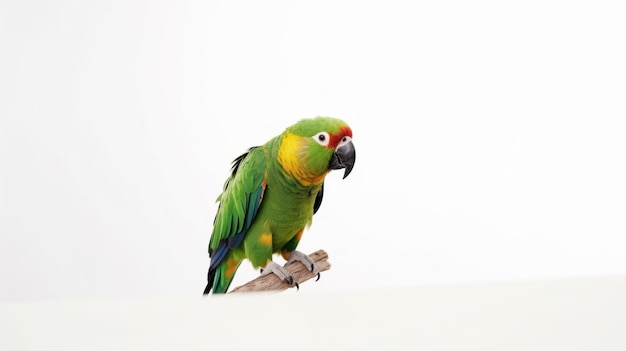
{"x": 306, "y": 260}
{"x": 281, "y": 272}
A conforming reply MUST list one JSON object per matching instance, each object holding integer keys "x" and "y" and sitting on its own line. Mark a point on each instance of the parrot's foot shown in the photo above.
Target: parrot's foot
{"x": 306, "y": 260}
{"x": 281, "y": 272}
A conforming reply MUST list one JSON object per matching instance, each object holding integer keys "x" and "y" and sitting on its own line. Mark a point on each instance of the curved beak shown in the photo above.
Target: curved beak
{"x": 343, "y": 157}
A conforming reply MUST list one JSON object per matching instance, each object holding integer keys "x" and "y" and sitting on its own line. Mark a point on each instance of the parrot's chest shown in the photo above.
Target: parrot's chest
{"x": 287, "y": 214}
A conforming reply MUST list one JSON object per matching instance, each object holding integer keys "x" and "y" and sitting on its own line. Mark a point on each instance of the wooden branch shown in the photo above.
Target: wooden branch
{"x": 271, "y": 282}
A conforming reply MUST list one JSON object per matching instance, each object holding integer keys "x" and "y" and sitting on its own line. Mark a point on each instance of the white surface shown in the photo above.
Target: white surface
{"x": 490, "y": 138}
{"x": 582, "y": 314}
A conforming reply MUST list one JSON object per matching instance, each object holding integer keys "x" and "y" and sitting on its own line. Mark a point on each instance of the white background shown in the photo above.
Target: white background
{"x": 490, "y": 138}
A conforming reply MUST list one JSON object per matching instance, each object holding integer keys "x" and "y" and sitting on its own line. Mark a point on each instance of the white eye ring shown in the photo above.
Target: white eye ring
{"x": 346, "y": 139}
{"x": 322, "y": 138}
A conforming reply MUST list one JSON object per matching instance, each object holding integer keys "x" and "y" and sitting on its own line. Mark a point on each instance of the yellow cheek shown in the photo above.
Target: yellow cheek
{"x": 290, "y": 161}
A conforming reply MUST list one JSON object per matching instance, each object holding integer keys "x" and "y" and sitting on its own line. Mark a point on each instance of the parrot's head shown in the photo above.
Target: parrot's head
{"x": 314, "y": 146}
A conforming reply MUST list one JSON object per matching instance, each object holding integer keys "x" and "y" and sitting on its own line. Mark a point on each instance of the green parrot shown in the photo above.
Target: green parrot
{"x": 270, "y": 197}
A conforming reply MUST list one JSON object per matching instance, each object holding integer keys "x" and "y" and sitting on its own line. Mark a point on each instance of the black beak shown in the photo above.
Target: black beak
{"x": 343, "y": 157}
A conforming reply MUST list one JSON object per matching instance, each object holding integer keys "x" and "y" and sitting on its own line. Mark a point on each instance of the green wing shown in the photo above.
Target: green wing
{"x": 239, "y": 203}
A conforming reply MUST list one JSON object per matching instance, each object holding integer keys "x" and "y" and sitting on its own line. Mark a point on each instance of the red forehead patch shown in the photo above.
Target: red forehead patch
{"x": 335, "y": 139}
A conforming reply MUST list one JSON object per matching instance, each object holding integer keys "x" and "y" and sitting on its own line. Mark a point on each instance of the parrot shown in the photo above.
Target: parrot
{"x": 270, "y": 197}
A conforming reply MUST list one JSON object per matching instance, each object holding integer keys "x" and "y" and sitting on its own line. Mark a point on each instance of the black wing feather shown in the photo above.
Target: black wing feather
{"x": 318, "y": 199}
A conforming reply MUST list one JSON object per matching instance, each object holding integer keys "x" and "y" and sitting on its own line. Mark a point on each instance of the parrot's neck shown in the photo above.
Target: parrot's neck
{"x": 291, "y": 184}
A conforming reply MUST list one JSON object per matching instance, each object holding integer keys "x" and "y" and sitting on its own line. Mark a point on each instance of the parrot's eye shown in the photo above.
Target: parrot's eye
{"x": 346, "y": 139}
{"x": 322, "y": 138}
